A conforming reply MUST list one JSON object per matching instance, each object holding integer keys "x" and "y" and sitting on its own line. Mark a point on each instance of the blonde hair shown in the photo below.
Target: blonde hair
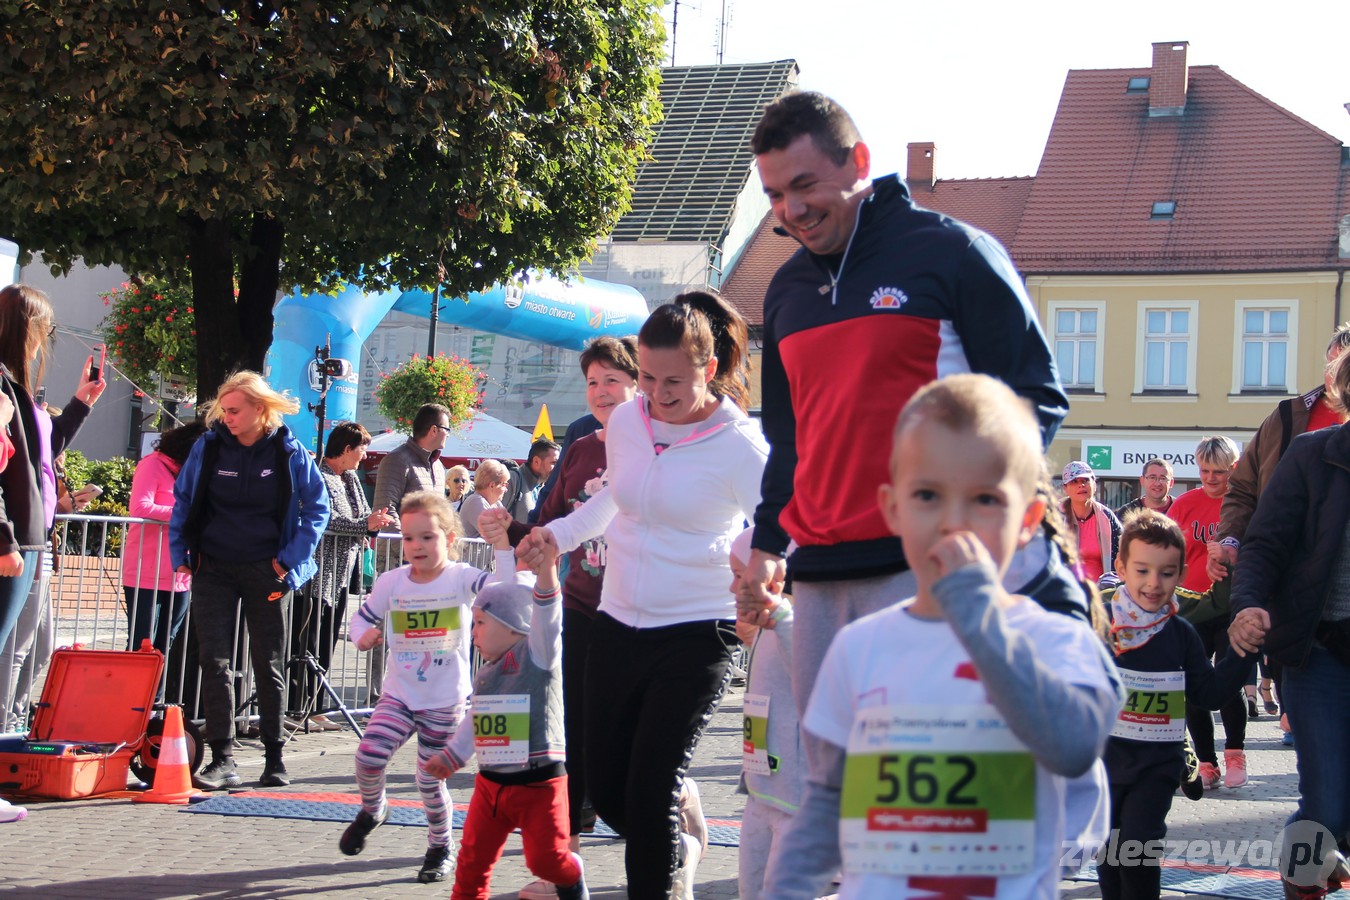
{"x": 436, "y": 505}
{"x": 251, "y": 385}
{"x": 987, "y": 408}
{"x": 1217, "y": 449}
{"x": 1338, "y": 388}
{"x": 450, "y": 474}
{"x": 489, "y": 471}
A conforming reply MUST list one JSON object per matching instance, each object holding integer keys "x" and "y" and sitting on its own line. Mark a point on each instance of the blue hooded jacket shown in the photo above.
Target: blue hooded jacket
{"x": 301, "y": 525}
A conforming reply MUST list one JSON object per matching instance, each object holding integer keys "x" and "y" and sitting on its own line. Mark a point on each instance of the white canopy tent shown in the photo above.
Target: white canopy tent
{"x": 485, "y": 438}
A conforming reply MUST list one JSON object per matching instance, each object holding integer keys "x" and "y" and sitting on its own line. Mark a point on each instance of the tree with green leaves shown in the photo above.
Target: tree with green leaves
{"x": 257, "y": 145}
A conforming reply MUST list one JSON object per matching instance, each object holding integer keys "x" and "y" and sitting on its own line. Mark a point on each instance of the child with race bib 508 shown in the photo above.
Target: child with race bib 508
{"x": 421, "y": 611}
{"x": 946, "y": 726}
{"x": 1164, "y": 665}
{"x": 517, "y": 734}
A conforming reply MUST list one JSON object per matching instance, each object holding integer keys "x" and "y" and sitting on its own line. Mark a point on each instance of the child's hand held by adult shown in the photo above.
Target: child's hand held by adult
{"x": 492, "y": 524}
{"x": 1248, "y": 631}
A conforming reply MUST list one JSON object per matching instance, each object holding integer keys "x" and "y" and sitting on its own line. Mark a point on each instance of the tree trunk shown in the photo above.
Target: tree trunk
{"x": 219, "y": 342}
{"x": 259, "y": 279}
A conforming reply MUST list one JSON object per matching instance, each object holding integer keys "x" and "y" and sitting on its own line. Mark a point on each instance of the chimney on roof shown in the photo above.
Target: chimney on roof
{"x": 919, "y": 171}
{"x": 1167, "y": 86}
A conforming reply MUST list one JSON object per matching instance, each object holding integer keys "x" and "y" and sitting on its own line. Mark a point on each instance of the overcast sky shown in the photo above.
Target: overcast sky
{"x": 982, "y": 78}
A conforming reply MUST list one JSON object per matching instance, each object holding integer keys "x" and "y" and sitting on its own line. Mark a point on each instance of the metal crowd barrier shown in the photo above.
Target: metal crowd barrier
{"x": 84, "y": 602}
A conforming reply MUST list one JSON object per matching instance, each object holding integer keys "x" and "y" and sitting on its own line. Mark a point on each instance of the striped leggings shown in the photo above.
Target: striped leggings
{"x": 391, "y": 724}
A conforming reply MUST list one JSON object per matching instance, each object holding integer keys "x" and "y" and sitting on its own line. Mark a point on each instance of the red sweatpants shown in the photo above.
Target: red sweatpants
{"x": 540, "y": 812}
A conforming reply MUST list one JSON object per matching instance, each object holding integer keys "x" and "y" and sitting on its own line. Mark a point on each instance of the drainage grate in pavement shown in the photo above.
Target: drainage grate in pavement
{"x": 331, "y": 807}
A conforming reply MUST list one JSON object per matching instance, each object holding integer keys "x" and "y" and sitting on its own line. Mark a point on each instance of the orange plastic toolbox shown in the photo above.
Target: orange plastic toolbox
{"x": 91, "y": 719}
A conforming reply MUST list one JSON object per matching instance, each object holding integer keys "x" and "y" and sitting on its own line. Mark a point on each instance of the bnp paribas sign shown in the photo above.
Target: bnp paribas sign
{"x": 1127, "y": 458}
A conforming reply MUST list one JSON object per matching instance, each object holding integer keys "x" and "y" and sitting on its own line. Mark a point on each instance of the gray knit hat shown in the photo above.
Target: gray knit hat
{"x": 509, "y": 602}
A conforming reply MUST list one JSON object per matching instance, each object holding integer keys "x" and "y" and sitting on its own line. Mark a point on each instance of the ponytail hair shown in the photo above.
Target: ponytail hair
{"x": 1056, "y": 531}
{"x": 703, "y": 325}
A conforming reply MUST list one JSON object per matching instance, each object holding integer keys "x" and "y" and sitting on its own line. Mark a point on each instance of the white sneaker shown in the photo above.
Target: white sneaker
{"x": 690, "y": 854}
{"x": 691, "y": 815}
{"x": 11, "y": 813}
{"x": 539, "y": 890}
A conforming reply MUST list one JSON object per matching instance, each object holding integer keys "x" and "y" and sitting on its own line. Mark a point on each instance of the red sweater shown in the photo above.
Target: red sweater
{"x": 1198, "y": 516}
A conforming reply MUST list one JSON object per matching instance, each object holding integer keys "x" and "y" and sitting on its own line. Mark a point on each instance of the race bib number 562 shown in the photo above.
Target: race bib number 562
{"x": 937, "y": 791}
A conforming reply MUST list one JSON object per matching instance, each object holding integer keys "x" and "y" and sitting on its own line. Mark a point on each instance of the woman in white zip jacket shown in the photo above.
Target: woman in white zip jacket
{"x": 685, "y": 464}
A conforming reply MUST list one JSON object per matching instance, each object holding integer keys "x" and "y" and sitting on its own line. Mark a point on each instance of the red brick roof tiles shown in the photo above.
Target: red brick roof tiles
{"x": 992, "y": 204}
{"x": 1255, "y": 186}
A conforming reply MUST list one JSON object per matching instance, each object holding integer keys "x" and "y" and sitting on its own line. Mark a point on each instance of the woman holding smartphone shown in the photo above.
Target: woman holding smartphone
{"x": 28, "y": 482}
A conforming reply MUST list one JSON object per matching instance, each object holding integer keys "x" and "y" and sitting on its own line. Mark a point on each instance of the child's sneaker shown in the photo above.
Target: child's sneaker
{"x": 692, "y": 822}
{"x": 436, "y": 865}
{"x": 11, "y": 813}
{"x": 690, "y": 854}
{"x": 576, "y": 891}
{"x": 353, "y": 840}
{"x": 538, "y": 890}
{"x": 1209, "y": 776}
{"x": 1234, "y": 768}
{"x": 1191, "y": 785}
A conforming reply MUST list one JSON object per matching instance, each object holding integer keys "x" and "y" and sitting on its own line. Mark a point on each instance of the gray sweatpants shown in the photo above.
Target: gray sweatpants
{"x": 761, "y": 826}
{"x": 821, "y": 608}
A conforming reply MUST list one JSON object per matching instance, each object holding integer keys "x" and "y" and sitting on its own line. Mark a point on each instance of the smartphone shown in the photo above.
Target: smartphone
{"x": 96, "y": 369}
{"x": 92, "y": 489}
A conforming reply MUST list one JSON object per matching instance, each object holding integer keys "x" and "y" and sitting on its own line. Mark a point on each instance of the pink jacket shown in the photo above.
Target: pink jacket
{"x": 145, "y": 556}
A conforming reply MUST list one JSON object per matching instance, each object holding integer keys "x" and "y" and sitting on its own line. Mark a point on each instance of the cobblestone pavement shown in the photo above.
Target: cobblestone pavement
{"x": 112, "y": 848}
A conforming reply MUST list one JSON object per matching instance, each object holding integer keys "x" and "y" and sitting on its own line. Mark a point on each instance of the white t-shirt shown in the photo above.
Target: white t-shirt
{"x": 894, "y": 659}
{"x": 426, "y": 631}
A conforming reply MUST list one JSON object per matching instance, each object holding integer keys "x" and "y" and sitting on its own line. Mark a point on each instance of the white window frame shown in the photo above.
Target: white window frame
{"x": 1240, "y": 309}
{"x": 1052, "y": 310}
{"x": 1192, "y": 345}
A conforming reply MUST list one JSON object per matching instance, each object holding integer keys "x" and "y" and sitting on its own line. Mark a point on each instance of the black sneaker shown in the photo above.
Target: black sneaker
{"x": 274, "y": 774}
{"x": 353, "y": 840}
{"x": 1192, "y": 785}
{"x": 436, "y": 865}
{"x": 219, "y": 774}
{"x": 588, "y": 817}
{"x": 576, "y": 891}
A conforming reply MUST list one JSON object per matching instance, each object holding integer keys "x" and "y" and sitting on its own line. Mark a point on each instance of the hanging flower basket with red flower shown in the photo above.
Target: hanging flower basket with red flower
{"x": 151, "y": 334}
{"x": 447, "y": 380}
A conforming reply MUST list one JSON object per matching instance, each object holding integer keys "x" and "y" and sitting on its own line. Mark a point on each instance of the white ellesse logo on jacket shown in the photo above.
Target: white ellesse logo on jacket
{"x": 888, "y": 298}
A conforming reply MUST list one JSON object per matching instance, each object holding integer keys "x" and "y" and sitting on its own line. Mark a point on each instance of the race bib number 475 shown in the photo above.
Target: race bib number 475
{"x": 1155, "y": 706}
{"x": 937, "y": 791}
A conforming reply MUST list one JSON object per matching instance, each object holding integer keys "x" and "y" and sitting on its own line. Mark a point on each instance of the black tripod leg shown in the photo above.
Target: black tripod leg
{"x": 341, "y": 707}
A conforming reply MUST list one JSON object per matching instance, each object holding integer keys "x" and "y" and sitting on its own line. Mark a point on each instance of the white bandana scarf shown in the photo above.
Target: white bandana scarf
{"x": 1132, "y": 626}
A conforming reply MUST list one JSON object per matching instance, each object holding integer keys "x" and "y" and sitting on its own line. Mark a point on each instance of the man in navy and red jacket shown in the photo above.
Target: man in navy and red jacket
{"x": 882, "y": 298}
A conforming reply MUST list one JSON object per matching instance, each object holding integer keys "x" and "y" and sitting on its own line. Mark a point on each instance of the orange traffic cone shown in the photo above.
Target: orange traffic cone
{"x": 173, "y": 781}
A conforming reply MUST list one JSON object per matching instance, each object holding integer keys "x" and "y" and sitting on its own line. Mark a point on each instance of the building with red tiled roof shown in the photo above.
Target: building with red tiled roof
{"x": 1181, "y": 241}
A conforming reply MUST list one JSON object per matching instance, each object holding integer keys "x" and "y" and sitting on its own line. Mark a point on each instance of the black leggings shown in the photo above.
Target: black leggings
{"x": 576, "y": 640}
{"x": 650, "y": 693}
{"x": 1138, "y": 813}
{"x": 1233, "y": 713}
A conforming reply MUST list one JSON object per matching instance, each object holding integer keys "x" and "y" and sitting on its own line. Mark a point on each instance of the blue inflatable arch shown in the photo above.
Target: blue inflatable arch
{"x": 541, "y": 308}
